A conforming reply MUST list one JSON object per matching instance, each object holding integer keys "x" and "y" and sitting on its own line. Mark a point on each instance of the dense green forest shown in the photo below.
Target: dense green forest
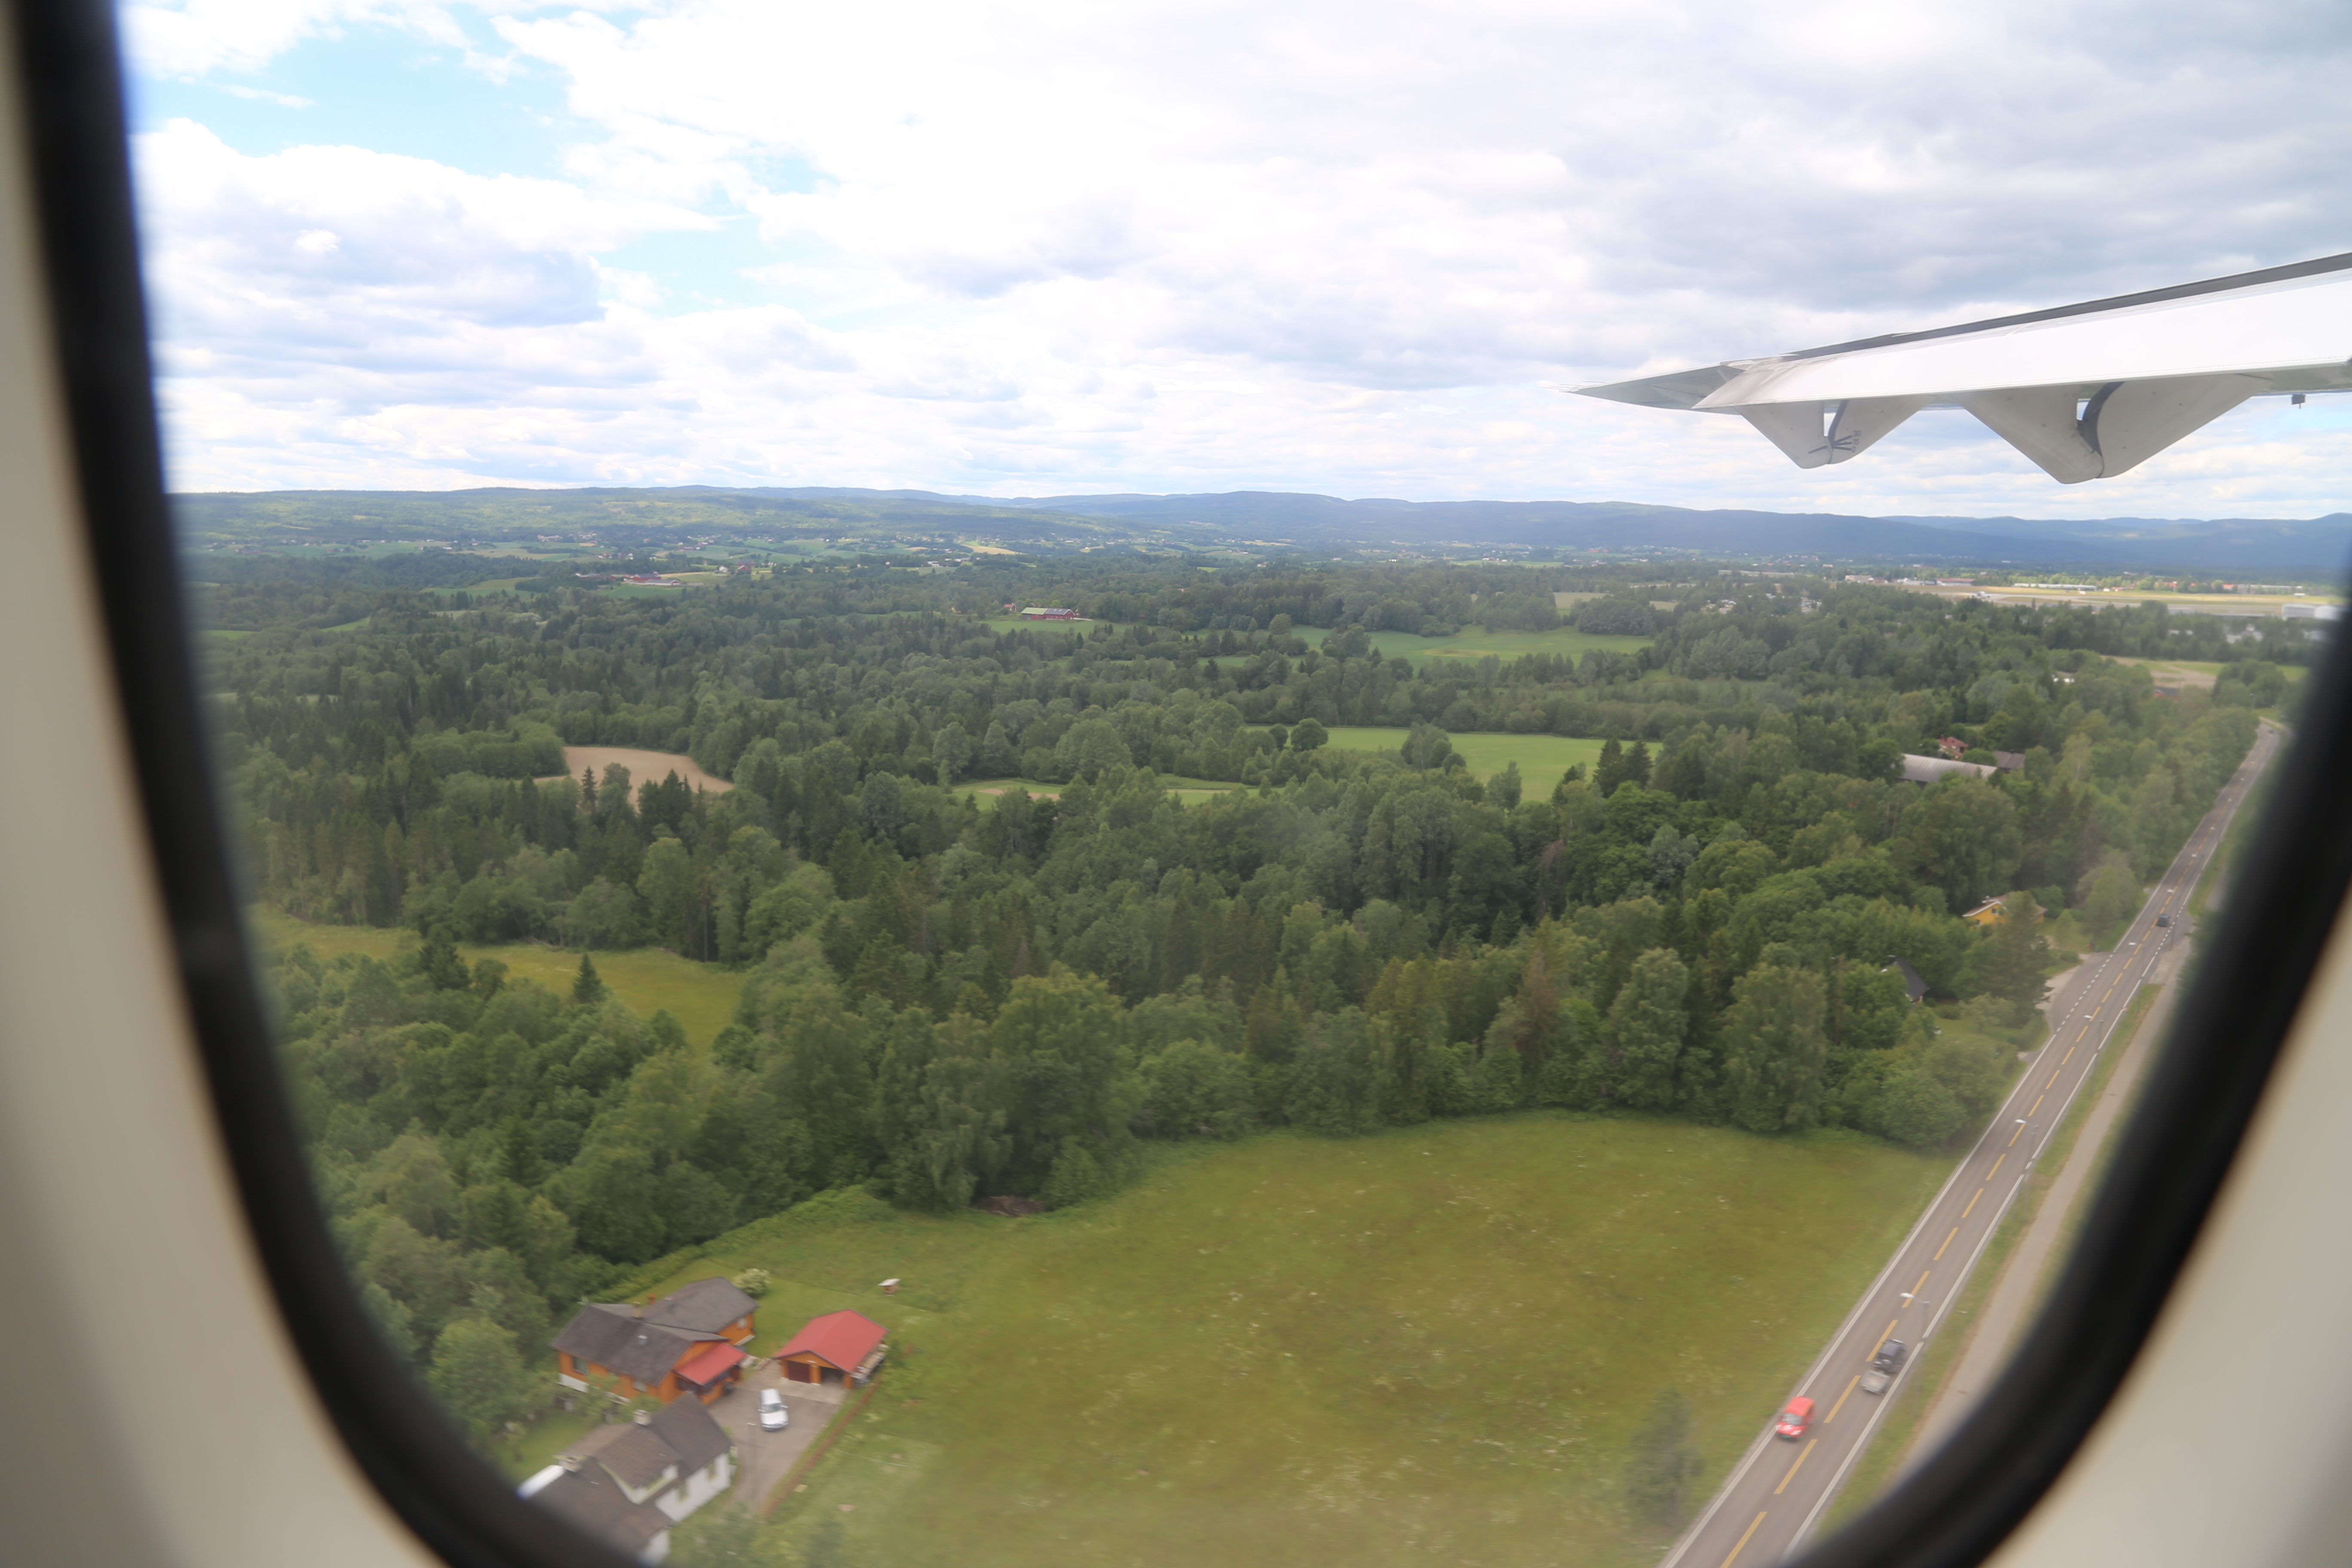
{"x": 949, "y": 1000}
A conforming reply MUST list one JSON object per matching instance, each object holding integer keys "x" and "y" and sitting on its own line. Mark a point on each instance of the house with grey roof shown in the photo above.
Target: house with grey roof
{"x": 628, "y": 1483}
{"x": 686, "y": 1342}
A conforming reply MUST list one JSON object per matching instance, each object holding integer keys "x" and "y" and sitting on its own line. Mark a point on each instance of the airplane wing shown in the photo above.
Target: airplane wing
{"x": 2086, "y": 391}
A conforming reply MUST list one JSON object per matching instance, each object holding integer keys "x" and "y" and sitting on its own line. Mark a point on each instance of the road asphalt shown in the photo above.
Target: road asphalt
{"x": 2019, "y": 1293}
{"x": 1776, "y": 1492}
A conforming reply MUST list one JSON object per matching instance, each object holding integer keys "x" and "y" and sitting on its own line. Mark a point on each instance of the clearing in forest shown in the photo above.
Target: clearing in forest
{"x": 701, "y": 996}
{"x": 645, "y": 767}
{"x": 1472, "y": 645}
{"x": 1542, "y": 758}
{"x": 1430, "y": 1345}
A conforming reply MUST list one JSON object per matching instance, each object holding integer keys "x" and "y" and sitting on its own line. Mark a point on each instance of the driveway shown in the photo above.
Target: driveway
{"x": 762, "y": 1458}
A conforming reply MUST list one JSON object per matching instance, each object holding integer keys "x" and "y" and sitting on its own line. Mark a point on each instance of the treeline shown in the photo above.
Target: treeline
{"x": 949, "y": 1001}
{"x": 492, "y": 1151}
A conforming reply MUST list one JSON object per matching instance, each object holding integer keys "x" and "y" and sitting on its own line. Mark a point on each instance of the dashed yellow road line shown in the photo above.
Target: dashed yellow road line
{"x": 1972, "y": 1204}
{"x": 1920, "y": 1286}
{"x": 1883, "y": 1338}
{"x": 1947, "y": 1241}
{"x": 1842, "y": 1399}
{"x": 1994, "y": 1171}
{"x": 2067, "y": 1057}
{"x": 1743, "y": 1542}
{"x": 2053, "y": 1075}
{"x": 2015, "y": 1136}
{"x": 2037, "y": 1106}
{"x": 1806, "y": 1453}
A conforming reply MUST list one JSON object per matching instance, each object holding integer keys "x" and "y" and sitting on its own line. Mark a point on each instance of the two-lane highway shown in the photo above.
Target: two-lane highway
{"x": 1775, "y": 1494}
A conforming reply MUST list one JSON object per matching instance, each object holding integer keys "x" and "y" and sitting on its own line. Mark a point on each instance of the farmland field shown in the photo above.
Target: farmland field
{"x": 1430, "y": 1344}
{"x": 701, "y": 996}
{"x": 1541, "y": 758}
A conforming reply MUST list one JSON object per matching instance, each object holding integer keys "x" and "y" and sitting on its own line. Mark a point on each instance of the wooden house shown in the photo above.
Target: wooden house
{"x": 839, "y": 1347}
{"x": 687, "y": 1343}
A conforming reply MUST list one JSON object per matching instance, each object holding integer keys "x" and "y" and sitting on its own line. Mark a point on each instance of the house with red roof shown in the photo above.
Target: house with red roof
{"x": 838, "y": 1347}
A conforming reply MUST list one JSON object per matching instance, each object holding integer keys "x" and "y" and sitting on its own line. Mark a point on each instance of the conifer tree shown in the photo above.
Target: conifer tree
{"x": 587, "y": 986}
{"x": 1610, "y": 771}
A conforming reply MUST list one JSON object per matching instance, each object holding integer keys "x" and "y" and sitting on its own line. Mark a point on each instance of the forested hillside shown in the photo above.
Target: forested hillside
{"x": 951, "y": 999}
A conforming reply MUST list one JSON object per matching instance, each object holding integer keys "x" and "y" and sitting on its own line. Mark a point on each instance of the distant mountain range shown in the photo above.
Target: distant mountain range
{"x": 1272, "y": 522}
{"x": 2317, "y": 545}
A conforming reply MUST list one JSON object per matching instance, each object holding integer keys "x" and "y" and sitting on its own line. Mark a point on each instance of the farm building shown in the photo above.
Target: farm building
{"x": 1038, "y": 613}
{"x": 839, "y": 1347}
{"x": 686, "y": 1342}
{"x": 1987, "y": 912}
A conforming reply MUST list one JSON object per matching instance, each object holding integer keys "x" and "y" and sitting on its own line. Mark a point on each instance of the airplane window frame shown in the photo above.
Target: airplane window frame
{"x": 1955, "y": 1509}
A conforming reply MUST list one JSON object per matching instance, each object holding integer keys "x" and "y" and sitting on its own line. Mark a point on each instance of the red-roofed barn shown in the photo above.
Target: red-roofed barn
{"x": 836, "y": 1348}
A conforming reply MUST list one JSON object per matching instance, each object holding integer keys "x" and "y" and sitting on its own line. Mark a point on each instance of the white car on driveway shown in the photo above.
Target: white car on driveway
{"x": 773, "y": 1417}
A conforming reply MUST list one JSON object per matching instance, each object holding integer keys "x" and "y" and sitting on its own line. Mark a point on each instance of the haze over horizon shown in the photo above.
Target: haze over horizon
{"x": 986, "y": 251}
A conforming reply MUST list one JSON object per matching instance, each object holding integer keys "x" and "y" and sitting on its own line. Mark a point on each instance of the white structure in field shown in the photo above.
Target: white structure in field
{"x": 2086, "y": 391}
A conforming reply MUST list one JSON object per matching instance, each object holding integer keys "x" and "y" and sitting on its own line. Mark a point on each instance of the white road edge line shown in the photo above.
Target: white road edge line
{"x": 1854, "y": 1454}
{"x": 2255, "y": 760}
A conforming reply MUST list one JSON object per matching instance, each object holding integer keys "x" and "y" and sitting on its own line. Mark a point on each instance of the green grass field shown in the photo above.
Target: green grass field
{"x": 1541, "y": 758}
{"x": 1416, "y": 650}
{"x": 1477, "y": 645}
{"x": 701, "y": 996}
{"x": 1430, "y": 1344}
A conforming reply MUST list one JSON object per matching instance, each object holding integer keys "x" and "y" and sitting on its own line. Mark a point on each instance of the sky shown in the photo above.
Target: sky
{"x": 1350, "y": 248}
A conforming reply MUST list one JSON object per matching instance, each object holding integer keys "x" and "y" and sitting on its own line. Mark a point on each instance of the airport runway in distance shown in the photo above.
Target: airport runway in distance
{"x": 1776, "y": 1492}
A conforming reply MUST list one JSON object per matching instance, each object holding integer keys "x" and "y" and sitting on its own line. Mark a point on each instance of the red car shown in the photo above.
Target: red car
{"x": 1794, "y": 1419}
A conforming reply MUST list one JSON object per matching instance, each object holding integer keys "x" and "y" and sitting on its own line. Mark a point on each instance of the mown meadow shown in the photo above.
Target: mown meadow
{"x": 1432, "y": 1341}
{"x": 701, "y": 996}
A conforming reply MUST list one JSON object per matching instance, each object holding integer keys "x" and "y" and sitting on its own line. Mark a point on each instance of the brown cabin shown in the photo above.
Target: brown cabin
{"x": 686, "y": 1342}
{"x": 839, "y": 1347}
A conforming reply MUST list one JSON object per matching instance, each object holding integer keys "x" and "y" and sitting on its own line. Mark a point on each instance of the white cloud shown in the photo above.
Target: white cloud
{"x": 1214, "y": 245}
{"x": 191, "y": 37}
{"x": 259, "y": 95}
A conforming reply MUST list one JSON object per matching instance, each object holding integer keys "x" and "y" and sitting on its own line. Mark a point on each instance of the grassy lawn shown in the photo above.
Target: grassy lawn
{"x": 1430, "y": 1344}
{"x": 544, "y": 1438}
{"x": 701, "y": 996}
{"x": 1541, "y": 758}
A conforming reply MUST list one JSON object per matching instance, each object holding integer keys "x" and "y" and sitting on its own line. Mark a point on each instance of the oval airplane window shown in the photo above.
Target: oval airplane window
{"x": 840, "y": 1024}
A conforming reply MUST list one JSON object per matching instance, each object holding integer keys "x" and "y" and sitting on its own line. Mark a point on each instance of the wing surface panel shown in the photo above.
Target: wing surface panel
{"x": 2086, "y": 392}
